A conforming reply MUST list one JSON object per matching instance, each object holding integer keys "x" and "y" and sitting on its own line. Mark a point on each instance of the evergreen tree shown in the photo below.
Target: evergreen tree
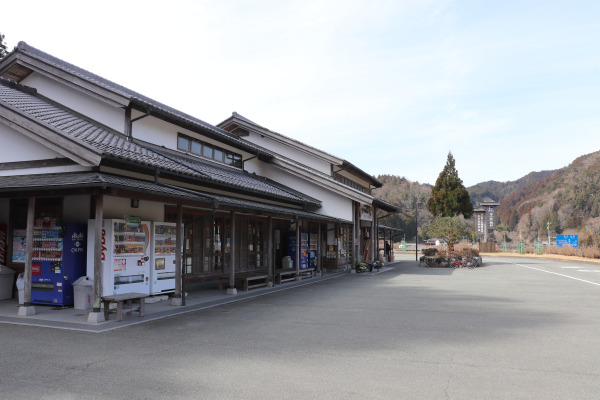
{"x": 3, "y": 51}
{"x": 449, "y": 197}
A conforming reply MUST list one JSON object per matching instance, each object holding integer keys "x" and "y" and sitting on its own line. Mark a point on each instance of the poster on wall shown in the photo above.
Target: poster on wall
{"x": 19, "y": 242}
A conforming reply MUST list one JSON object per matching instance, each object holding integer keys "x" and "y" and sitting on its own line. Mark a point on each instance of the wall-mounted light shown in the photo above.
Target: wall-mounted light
{"x": 135, "y": 203}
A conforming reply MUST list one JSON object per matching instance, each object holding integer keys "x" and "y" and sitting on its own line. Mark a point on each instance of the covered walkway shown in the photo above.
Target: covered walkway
{"x": 199, "y": 296}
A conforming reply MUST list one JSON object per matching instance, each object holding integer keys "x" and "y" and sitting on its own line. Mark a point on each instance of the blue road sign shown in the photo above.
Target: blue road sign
{"x": 567, "y": 240}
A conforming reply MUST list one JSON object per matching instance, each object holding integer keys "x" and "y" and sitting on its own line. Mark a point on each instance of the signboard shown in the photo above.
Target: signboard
{"x": 567, "y": 240}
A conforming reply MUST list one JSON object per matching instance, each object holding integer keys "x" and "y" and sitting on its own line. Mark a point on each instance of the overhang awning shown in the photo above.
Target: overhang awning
{"x": 42, "y": 184}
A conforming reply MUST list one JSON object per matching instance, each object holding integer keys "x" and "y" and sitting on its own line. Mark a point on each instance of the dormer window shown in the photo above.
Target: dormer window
{"x": 208, "y": 150}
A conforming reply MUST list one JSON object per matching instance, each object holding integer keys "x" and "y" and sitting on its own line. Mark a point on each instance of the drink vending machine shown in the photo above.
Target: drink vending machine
{"x": 58, "y": 260}
{"x": 162, "y": 267}
{"x": 125, "y": 255}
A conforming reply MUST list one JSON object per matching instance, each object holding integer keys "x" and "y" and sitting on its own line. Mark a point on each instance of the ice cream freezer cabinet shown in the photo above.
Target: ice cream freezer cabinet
{"x": 125, "y": 255}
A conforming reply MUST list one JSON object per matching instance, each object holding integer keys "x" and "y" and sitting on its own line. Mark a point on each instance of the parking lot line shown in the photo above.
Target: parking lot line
{"x": 554, "y": 273}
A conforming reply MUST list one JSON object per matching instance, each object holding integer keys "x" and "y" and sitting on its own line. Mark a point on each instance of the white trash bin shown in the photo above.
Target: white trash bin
{"x": 7, "y": 276}
{"x": 83, "y": 293}
{"x": 286, "y": 262}
{"x": 21, "y": 288}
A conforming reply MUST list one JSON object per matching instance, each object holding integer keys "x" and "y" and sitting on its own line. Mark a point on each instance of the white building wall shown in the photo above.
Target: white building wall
{"x": 18, "y": 147}
{"x": 285, "y": 150}
{"x": 162, "y": 133}
{"x": 95, "y": 109}
{"x": 333, "y": 204}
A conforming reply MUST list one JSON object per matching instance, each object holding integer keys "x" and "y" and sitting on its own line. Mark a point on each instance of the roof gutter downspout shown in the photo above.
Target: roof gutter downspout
{"x": 129, "y": 122}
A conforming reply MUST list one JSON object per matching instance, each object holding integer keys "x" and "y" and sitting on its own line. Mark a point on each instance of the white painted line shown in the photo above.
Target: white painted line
{"x": 554, "y": 273}
{"x": 570, "y": 267}
{"x": 588, "y": 270}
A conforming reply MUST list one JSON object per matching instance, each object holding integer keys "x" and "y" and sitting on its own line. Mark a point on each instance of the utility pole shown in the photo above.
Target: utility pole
{"x": 417, "y": 229}
{"x": 549, "y": 243}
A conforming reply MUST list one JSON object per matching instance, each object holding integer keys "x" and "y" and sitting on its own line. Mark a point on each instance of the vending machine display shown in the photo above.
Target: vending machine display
{"x": 58, "y": 260}
{"x": 305, "y": 249}
{"x": 125, "y": 255}
{"x": 162, "y": 265}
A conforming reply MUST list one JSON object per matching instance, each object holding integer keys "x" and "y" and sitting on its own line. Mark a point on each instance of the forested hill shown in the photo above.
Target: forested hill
{"x": 495, "y": 190}
{"x": 567, "y": 198}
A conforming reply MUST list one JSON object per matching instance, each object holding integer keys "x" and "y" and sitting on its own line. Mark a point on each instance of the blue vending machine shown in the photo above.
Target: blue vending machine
{"x": 304, "y": 249}
{"x": 58, "y": 260}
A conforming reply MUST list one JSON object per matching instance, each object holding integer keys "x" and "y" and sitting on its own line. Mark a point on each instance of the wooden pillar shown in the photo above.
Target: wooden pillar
{"x": 270, "y": 250}
{"x": 298, "y": 248}
{"x": 319, "y": 250}
{"x": 233, "y": 259}
{"x": 374, "y": 236}
{"x": 178, "y": 299}
{"x": 29, "y": 252}
{"x": 98, "y": 242}
{"x": 27, "y": 309}
{"x": 356, "y": 235}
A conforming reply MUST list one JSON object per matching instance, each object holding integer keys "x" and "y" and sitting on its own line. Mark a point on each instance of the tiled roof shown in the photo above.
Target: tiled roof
{"x": 111, "y": 144}
{"x": 81, "y": 130}
{"x": 133, "y": 96}
{"x": 232, "y": 176}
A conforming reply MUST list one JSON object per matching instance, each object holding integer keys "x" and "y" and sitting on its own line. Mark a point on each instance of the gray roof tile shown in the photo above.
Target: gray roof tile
{"x": 112, "y": 144}
{"x": 132, "y": 96}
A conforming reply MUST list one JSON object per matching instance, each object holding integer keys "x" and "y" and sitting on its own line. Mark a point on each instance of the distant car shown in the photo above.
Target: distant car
{"x": 435, "y": 242}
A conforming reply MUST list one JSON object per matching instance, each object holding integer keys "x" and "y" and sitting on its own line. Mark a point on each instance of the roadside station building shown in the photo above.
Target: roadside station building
{"x": 240, "y": 199}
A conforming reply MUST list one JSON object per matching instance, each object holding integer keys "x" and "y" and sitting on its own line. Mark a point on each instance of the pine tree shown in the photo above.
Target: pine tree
{"x": 449, "y": 197}
{"x": 3, "y": 51}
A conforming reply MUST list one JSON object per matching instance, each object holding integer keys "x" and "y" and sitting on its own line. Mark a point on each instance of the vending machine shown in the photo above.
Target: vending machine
{"x": 125, "y": 255}
{"x": 304, "y": 249}
{"x": 58, "y": 260}
{"x": 162, "y": 265}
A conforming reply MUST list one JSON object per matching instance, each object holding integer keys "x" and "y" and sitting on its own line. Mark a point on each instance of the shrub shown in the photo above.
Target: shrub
{"x": 429, "y": 252}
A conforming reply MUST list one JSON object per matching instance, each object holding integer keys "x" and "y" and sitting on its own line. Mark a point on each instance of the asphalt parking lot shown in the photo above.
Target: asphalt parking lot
{"x": 513, "y": 329}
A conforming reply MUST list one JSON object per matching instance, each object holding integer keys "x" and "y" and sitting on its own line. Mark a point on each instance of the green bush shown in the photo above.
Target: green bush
{"x": 429, "y": 252}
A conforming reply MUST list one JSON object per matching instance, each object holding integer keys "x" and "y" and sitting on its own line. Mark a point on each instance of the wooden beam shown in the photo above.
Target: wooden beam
{"x": 178, "y": 254}
{"x": 98, "y": 252}
{"x": 28, "y": 252}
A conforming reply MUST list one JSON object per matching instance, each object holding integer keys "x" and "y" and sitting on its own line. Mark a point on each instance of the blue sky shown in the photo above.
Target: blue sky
{"x": 508, "y": 87}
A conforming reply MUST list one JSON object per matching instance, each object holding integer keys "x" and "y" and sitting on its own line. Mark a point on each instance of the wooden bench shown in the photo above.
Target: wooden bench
{"x": 285, "y": 275}
{"x": 128, "y": 299}
{"x": 248, "y": 280}
{"x": 306, "y": 272}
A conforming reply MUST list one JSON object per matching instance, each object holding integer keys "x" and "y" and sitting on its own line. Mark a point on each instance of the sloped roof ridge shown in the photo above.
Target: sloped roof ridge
{"x": 309, "y": 148}
{"x": 302, "y": 144}
{"x": 122, "y": 90}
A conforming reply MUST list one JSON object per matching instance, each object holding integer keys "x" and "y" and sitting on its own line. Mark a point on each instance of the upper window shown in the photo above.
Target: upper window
{"x": 207, "y": 150}
{"x": 350, "y": 183}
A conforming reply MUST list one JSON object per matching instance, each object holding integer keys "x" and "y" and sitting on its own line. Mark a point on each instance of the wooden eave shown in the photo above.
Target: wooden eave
{"x": 22, "y": 65}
